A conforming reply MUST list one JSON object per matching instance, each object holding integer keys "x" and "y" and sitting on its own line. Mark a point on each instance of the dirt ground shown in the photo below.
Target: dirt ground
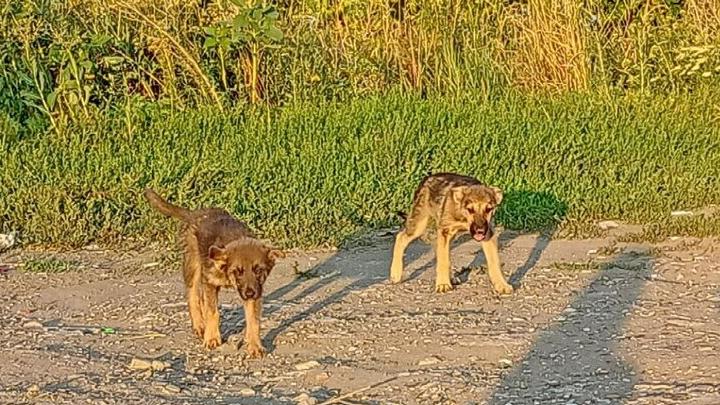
{"x": 593, "y": 322}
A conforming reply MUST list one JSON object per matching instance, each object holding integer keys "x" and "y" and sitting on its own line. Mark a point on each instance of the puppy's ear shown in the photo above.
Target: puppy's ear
{"x": 217, "y": 255}
{"x": 458, "y": 193}
{"x": 498, "y": 194}
{"x": 275, "y": 254}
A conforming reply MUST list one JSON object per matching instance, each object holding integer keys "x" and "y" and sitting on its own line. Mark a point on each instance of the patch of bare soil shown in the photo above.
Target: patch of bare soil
{"x": 592, "y": 322}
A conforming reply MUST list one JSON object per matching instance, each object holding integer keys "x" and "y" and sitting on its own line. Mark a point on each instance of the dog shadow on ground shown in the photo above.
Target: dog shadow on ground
{"x": 577, "y": 359}
{"x": 522, "y": 207}
{"x": 356, "y": 268}
{"x": 359, "y": 268}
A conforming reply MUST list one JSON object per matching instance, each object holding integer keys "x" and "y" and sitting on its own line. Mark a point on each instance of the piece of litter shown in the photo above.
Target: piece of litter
{"x": 140, "y": 364}
{"x": 681, "y": 213}
{"x": 307, "y": 365}
{"x": 429, "y": 361}
{"x": 247, "y": 392}
{"x": 159, "y": 365}
{"x": 33, "y": 325}
{"x": 605, "y": 225}
{"x": 7, "y": 240}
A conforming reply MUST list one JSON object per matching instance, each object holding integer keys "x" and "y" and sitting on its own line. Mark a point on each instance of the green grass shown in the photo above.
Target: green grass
{"x": 309, "y": 175}
{"x": 588, "y": 265}
{"x": 48, "y": 265}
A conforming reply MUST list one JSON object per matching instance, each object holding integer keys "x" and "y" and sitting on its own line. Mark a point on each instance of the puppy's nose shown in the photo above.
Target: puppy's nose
{"x": 479, "y": 235}
{"x": 249, "y": 293}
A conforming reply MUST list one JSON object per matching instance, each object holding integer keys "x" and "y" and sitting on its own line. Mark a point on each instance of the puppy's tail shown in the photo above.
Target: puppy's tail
{"x": 166, "y": 208}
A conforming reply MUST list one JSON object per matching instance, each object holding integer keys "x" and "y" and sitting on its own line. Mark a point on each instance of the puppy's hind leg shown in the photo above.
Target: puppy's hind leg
{"x": 415, "y": 225}
{"x": 192, "y": 272}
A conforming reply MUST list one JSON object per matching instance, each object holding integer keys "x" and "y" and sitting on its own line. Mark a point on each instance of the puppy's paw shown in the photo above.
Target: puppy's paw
{"x": 211, "y": 343}
{"x": 255, "y": 351}
{"x": 443, "y": 287}
{"x": 395, "y": 276}
{"x": 504, "y": 289}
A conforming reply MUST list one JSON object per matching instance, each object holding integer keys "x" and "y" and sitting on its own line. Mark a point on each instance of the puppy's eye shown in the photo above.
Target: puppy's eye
{"x": 470, "y": 210}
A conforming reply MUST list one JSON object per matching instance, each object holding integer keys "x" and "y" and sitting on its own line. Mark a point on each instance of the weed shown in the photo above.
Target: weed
{"x": 48, "y": 265}
{"x": 576, "y": 266}
{"x": 305, "y": 275}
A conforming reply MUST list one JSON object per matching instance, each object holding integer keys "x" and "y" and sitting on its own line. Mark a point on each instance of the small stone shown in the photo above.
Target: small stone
{"x": 505, "y": 363}
{"x": 171, "y": 389}
{"x": 321, "y": 377}
{"x": 33, "y": 325}
{"x": 305, "y": 399}
{"x": 230, "y": 347}
{"x": 307, "y": 365}
{"x": 247, "y": 392}
{"x": 140, "y": 364}
{"x": 681, "y": 213}
{"x": 429, "y": 361}
{"x": 605, "y": 225}
{"x": 33, "y": 390}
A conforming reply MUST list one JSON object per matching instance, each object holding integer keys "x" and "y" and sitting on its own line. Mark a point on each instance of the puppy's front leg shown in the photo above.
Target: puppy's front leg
{"x": 490, "y": 248}
{"x": 211, "y": 315}
{"x": 253, "y": 312}
{"x": 442, "y": 257}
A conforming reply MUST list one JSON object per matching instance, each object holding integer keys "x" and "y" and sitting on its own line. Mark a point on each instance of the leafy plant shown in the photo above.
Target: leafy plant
{"x": 252, "y": 30}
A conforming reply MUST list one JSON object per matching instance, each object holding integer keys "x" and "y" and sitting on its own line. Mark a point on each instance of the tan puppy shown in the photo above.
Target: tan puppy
{"x": 457, "y": 204}
{"x": 220, "y": 251}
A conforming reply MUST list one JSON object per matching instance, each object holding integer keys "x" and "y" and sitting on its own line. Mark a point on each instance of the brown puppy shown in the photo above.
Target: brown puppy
{"x": 220, "y": 251}
{"x": 457, "y": 204}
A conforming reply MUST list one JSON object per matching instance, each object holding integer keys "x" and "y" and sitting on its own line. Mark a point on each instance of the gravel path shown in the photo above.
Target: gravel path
{"x": 594, "y": 322}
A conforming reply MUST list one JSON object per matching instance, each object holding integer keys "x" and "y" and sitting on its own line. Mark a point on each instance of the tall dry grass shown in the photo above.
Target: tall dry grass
{"x": 550, "y": 47}
{"x": 64, "y": 59}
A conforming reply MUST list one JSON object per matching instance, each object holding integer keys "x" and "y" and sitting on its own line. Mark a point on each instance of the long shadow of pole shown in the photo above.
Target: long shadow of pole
{"x": 578, "y": 359}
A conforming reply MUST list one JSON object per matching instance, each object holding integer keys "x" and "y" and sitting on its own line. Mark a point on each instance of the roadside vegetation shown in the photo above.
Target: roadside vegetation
{"x": 315, "y": 120}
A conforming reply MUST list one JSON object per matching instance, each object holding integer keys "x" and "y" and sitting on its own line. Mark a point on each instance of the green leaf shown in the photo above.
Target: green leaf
{"x": 210, "y": 42}
{"x": 240, "y": 21}
{"x": 112, "y": 60}
{"x": 99, "y": 39}
{"x": 274, "y": 33}
{"x": 271, "y": 13}
{"x": 50, "y": 100}
{"x": 238, "y": 3}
